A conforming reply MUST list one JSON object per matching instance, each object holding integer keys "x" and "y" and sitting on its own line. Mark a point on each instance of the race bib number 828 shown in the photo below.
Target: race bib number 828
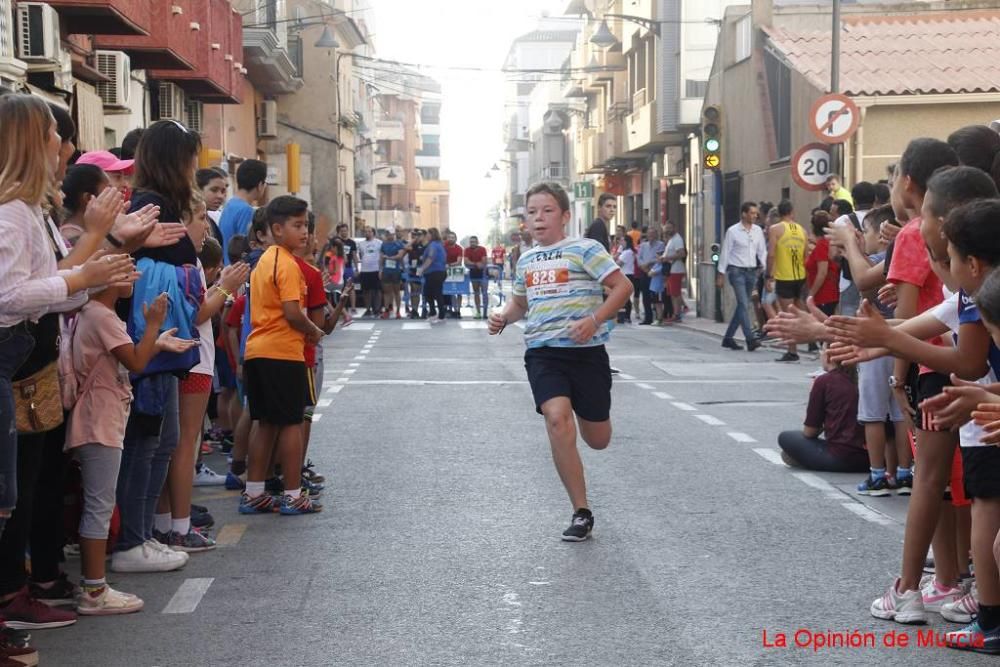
{"x": 546, "y": 277}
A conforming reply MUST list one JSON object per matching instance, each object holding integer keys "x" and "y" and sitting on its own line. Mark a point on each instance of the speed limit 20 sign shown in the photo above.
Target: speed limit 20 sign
{"x": 811, "y": 166}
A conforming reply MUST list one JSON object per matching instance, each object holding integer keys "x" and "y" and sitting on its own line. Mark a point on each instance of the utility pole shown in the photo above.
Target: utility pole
{"x": 836, "y": 151}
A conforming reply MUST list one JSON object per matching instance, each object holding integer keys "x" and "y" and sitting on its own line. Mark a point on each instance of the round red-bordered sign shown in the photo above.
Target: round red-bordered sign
{"x": 811, "y": 167}
{"x": 834, "y": 118}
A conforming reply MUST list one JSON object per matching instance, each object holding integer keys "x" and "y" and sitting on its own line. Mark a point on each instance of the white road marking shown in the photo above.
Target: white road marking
{"x": 324, "y": 402}
{"x": 472, "y": 325}
{"x": 368, "y": 347}
{"x": 342, "y": 380}
{"x": 187, "y": 597}
{"x": 772, "y": 455}
{"x": 353, "y": 365}
{"x": 335, "y": 389}
{"x": 710, "y": 420}
{"x": 359, "y": 326}
{"x": 414, "y": 326}
{"x": 867, "y": 513}
{"x": 817, "y": 482}
{"x": 643, "y": 385}
{"x": 660, "y": 394}
{"x": 626, "y": 376}
{"x": 686, "y": 407}
{"x": 361, "y": 358}
{"x": 350, "y": 371}
{"x": 317, "y": 417}
{"x": 231, "y": 534}
{"x": 740, "y": 437}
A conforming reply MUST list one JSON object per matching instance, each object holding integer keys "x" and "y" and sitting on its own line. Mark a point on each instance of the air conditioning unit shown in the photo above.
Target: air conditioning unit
{"x": 195, "y": 116}
{"x": 116, "y": 66}
{"x": 172, "y": 102}
{"x": 38, "y": 33}
{"x": 267, "y": 119}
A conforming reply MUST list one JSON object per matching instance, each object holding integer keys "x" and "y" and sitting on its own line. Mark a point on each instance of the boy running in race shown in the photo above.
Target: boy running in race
{"x": 558, "y": 289}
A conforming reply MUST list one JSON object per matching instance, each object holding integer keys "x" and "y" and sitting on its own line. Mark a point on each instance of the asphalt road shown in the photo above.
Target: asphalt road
{"x": 440, "y": 542}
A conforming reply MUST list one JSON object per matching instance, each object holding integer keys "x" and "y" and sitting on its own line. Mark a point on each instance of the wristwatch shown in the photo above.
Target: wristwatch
{"x": 894, "y": 382}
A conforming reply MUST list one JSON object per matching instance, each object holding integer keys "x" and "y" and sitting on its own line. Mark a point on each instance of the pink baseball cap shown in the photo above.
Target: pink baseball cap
{"x": 105, "y": 160}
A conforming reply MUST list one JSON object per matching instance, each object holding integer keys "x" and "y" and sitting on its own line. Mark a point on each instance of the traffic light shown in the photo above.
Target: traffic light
{"x": 711, "y": 136}
{"x": 716, "y": 249}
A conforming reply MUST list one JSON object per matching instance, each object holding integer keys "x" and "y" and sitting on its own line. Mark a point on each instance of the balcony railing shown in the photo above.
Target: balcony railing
{"x": 554, "y": 173}
{"x": 639, "y": 98}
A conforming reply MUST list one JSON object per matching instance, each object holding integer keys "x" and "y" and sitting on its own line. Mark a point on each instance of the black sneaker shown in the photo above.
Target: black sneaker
{"x": 754, "y": 344}
{"x": 62, "y": 593}
{"x": 202, "y": 519}
{"x": 579, "y": 529}
{"x": 614, "y": 371}
{"x": 274, "y": 486}
{"x": 876, "y": 488}
{"x": 787, "y": 358}
{"x": 904, "y": 485}
{"x": 731, "y": 344}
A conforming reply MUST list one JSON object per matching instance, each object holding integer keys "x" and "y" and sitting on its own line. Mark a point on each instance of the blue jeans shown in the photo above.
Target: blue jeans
{"x": 144, "y": 465}
{"x": 15, "y": 346}
{"x": 743, "y": 282}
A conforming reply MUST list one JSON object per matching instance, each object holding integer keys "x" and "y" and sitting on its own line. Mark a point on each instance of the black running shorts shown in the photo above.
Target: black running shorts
{"x": 789, "y": 289}
{"x": 277, "y": 390}
{"x": 582, "y": 374}
{"x": 981, "y": 471}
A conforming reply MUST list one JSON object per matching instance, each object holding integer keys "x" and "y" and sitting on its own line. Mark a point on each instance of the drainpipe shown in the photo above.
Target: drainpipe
{"x": 859, "y": 149}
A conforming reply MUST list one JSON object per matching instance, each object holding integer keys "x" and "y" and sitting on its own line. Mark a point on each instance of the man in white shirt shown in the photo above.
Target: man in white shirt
{"x": 675, "y": 253}
{"x": 370, "y": 250}
{"x": 744, "y": 251}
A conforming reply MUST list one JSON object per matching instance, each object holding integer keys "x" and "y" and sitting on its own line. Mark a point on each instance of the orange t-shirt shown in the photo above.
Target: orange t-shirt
{"x": 636, "y": 237}
{"x": 276, "y": 279}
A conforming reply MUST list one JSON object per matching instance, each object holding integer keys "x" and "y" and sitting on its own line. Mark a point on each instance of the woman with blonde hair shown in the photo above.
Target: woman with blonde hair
{"x": 31, "y": 286}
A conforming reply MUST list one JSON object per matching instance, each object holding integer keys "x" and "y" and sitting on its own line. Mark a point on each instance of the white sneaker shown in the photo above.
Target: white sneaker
{"x": 935, "y": 595}
{"x": 905, "y": 607}
{"x": 160, "y": 546}
{"x": 147, "y": 558}
{"x": 205, "y": 476}
{"x": 963, "y": 610}
{"x": 107, "y": 603}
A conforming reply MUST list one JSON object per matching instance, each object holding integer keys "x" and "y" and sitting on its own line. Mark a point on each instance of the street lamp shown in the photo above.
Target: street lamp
{"x": 603, "y": 39}
{"x": 327, "y": 40}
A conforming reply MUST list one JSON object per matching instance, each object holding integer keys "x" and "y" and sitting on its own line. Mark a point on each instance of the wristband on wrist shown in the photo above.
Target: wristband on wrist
{"x": 222, "y": 290}
{"x": 594, "y": 317}
{"x": 113, "y": 241}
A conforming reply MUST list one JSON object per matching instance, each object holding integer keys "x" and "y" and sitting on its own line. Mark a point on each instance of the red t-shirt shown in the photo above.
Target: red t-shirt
{"x": 499, "y": 252}
{"x": 315, "y": 298}
{"x": 911, "y": 264}
{"x": 453, "y": 254}
{"x": 830, "y": 291}
{"x": 476, "y": 254}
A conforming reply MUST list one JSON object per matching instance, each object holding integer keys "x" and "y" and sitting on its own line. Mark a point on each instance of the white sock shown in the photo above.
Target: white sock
{"x": 293, "y": 493}
{"x": 161, "y": 522}
{"x": 181, "y": 526}
{"x": 255, "y": 489}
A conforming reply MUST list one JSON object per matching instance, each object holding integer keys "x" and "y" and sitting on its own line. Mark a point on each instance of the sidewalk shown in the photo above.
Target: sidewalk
{"x": 710, "y": 327}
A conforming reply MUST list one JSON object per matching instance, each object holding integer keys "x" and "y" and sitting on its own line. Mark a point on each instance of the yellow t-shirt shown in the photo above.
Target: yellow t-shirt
{"x": 789, "y": 258}
{"x": 275, "y": 280}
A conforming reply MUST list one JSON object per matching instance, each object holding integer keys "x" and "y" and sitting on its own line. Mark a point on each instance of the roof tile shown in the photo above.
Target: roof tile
{"x": 892, "y": 55}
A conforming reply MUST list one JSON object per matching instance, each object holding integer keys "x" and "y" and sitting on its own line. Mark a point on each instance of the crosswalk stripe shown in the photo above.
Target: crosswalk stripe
{"x": 231, "y": 534}
{"x": 188, "y": 596}
{"x": 413, "y": 326}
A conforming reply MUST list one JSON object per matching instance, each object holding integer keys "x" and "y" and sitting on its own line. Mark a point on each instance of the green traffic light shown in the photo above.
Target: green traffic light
{"x": 712, "y": 145}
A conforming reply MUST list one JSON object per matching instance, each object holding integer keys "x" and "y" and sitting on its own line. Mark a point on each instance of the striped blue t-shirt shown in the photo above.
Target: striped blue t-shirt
{"x": 562, "y": 283}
